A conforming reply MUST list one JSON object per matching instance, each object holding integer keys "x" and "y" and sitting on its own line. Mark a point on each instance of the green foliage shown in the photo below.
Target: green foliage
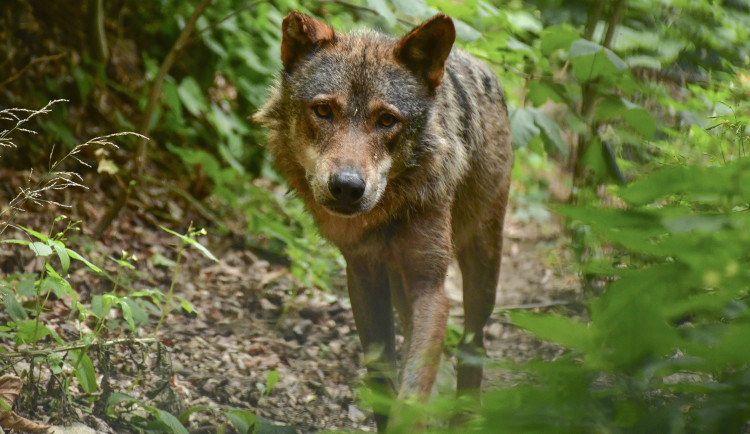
{"x": 664, "y": 348}
{"x": 52, "y": 279}
{"x": 27, "y": 296}
{"x": 271, "y": 379}
{"x": 161, "y": 421}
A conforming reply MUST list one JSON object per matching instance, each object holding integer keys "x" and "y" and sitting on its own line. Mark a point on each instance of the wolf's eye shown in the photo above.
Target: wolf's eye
{"x": 386, "y": 120}
{"x": 323, "y": 111}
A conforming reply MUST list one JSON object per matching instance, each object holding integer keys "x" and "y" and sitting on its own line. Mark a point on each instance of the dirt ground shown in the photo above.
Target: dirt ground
{"x": 253, "y": 318}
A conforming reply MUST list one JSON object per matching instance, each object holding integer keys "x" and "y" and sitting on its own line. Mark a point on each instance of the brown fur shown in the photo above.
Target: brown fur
{"x": 417, "y": 191}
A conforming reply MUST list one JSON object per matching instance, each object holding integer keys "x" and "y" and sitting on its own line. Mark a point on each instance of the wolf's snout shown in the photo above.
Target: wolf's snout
{"x": 347, "y": 187}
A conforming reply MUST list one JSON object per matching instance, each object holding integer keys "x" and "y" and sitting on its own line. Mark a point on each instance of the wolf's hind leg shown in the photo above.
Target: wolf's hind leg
{"x": 479, "y": 260}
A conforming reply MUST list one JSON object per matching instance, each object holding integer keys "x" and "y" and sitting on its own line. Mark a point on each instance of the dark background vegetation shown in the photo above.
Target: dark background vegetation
{"x": 629, "y": 119}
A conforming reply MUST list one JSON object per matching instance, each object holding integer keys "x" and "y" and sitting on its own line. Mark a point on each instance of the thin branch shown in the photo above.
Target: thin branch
{"x": 156, "y": 86}
{"x": 29, "y": 65}
{"x": 595, "y": 13}
{"x": 614, "y": 20}
{"x": 153, "y": 99}
{"x": 77, "y": 346}
{"x": 230, "y": 15}
{"x": 526, "y": 306}
{"x": 363, "y": 8}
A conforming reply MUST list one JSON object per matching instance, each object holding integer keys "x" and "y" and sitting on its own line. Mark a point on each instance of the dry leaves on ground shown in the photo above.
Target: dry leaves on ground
{"x": 10, "y": 388}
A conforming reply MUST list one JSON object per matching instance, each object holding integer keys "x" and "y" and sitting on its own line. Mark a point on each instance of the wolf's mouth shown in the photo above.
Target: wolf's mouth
{"x": 344, "y": 210}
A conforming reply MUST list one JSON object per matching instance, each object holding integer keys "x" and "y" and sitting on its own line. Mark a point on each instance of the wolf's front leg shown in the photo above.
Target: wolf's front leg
{"x": 422, "y": 256}
{"x": 370, "y": 297}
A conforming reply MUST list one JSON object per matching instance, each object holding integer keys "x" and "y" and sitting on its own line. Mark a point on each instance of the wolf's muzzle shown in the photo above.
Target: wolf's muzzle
{"x": 347, "y": 188}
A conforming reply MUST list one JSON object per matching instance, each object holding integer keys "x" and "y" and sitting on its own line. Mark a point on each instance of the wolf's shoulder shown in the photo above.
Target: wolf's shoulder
{"x": 473, "y": 75}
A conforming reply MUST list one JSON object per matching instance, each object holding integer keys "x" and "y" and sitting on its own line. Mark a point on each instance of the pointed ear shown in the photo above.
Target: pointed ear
{"x": 301, "y": 34}
{"x": 425, "y": 49}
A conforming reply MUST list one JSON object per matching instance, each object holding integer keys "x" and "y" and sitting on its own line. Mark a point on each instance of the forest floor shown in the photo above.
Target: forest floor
{"x": 253, "y": 318}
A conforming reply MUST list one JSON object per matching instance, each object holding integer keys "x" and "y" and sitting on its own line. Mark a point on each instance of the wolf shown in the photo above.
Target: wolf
{"x": 401, "y": 151}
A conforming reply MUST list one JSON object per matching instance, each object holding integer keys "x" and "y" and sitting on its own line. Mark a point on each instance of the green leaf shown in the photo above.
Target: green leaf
{"x": 171, "y": 97}
{"x": 15, "y": 310}
{"x": 562, "y": 330}
{"x": 138, "y": 313}
{"x": 641, "y": 121}
{"x": 609, "y": 108}
{"x": 591, "y": 61}
{"x": 708, "y": 183}
{"x": 523, "y": 128}
{"x": 122, "y": 263}
{"x": 192, "y": 96}
{"x": 117, "y": 398}
{"x": 271, "y": 379}
{"x": 22, "y": 242}
{"x": 550, "y": 133}
{"x": 40, "y": 249}
{"x": 84, "y": 368}
{"x": 557, "y": 37}
{"x": 97, "y": 306}
{"x": 540, "y": 92}
{"x": 57, "y": 286}
{"x": 185, "y": 415}
{"x": 63, "y": 255}
{"x": 84, "y": 81}
{"x": 528, "y": 123}
{"x": 412, "y": 8}
{"x": 186, "y": 305}
{"x": 241, "y": 420}
{"x": 160, "y": 260}
{"x": 171, "y": 421}
{"x": 253, "y": 61}
{"x": 697, "y": 223}
{"x": 383, "y": 10}
{"x": 466, "y": 32}
{"x": 193, "y": 242}
{"x": 127, "y": 314}
{"x": 27, "y": 286}
{"x": 36, "y": 234}
{"x": 31, "y": 331}
{"x": 78, "y": 257}
{"x": 203, "y": 250}
{"x": 597, "y": 159}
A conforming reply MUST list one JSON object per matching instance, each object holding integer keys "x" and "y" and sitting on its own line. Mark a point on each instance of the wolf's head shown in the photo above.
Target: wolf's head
{"x": 349, "y": 112}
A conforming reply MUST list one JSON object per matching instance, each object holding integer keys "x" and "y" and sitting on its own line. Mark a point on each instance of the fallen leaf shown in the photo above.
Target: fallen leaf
{"x": 10, "y": 387}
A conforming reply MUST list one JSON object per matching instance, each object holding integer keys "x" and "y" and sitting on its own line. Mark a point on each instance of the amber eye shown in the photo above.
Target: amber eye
{"x": 386, "y": 120}
{"x": 323, "y": 111}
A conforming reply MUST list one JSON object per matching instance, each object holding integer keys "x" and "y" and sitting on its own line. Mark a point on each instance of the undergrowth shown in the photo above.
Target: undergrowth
{"x": 60, "y": 372}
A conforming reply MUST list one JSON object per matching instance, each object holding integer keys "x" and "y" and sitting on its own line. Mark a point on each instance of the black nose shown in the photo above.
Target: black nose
{"x": 347, "y": 187}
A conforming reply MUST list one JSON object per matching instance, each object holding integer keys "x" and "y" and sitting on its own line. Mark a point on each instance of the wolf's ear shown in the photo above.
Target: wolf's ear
{"x": 301, "y": 34}
{"x": 425, "y": 49}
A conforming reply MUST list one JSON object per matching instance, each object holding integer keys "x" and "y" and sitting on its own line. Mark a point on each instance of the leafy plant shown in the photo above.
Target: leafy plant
{"x": 188, "y": 239}
{"x": 27, "y": 297}
{"x": 662, "y": 349}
